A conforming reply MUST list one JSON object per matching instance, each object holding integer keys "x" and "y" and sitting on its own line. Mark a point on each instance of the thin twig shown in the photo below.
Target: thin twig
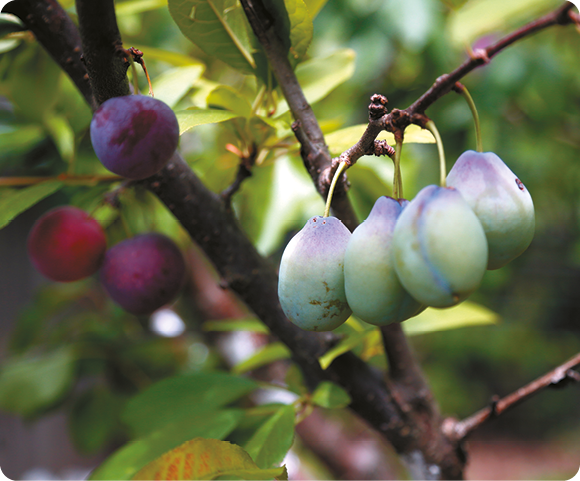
{"x": 244, "y": 171}
{"x": 560, "y": 376}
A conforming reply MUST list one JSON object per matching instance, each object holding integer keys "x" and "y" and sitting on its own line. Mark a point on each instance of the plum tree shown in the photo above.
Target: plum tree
{"x": 143, "y": 273}
{"x": 311, "y": 279}
{"x": 134, "y": 136}
{"x": 500, "y": 201}
{"x": 439, "y": 247}
{"x": 373, "y": 289}
{"x": 66, "y": 244}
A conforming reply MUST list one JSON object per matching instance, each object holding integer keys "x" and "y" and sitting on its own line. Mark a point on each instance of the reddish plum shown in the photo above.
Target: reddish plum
{"x": 66, "y": 244}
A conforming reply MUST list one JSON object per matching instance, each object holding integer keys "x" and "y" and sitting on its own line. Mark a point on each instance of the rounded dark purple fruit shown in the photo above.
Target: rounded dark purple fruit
{"x": 134, "y": 136}
{"x": 66, "y": 244}
{"x": 143, "y": 273}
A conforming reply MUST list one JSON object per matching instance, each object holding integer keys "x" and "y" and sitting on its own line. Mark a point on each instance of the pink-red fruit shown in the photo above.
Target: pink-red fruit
{"x": 143, "y": 273}
{"x": 134, "y": 136}
{"x": 65, "y": 244}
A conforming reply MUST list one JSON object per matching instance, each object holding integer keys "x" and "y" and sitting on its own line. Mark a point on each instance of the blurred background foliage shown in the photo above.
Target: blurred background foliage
{"x": 529, "y": 103}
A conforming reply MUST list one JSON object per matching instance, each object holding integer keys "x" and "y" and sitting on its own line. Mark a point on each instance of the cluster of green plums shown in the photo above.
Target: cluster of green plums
{"x": 431, "y": 251}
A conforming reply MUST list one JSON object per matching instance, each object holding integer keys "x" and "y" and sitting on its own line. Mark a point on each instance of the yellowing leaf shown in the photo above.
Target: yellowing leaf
{"x": 465, "y": 314}
{"x": 192, "y": 117}
{"x": 478, "y": 17}
{"x": 341, "y": 140}
{"x": 206, "y": 459}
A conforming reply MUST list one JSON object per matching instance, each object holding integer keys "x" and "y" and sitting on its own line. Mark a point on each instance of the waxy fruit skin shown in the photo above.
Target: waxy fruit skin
{"x": 373, "y": 289}
{"x": 439, "y": 247}
{"x": 311, "y": 277}
{"x": 501, "y": 202}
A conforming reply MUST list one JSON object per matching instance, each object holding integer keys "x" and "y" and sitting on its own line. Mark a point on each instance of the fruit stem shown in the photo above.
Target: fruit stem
{"x": 430, "y": 126}
{"x": 397, "y": 178}
{"x": 341, "y": 168}
{"x": 469, "y": 99}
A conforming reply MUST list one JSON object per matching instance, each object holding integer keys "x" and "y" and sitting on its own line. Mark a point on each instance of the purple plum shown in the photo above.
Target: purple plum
{"x": 143, "y": 273}
{"x": 134, "y": 136}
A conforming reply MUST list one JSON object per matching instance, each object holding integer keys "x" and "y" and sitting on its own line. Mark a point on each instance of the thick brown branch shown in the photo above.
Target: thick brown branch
{"x": 562, "y": 375}
{"x": 106, "y": 60}
{"x": 314, "y": 151}
{"x": 56, "y": 32}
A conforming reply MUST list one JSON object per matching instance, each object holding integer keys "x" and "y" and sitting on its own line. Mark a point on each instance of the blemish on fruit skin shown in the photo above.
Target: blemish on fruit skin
{"x": 520, "y": 184}
{"x": 140, "y": 126}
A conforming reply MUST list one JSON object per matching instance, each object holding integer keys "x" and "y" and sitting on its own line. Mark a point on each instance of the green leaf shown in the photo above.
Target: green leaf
{"x": 295, "y": 380}
{"x": 20, "y": 140}
{"x": 465, "y": 314}
{"x": 9, "y": 24}
{"x": 173, "y": 58}
{"x": 330, "y": 395}
{"x": 205, "y": 459}
{"x": 273, "y": 439}
{"x": 31, "y": 383}
{"x": 175, "y": 398}
{"x": 347, "y": 344}
{"x": 319, "y": 76}
{"x": 192, "y": 117}
{"x": 225, "y": 97}
{"x": 341, "y": 140}
{"x": 17, "y": 201}
{"x": 314, "y": 6}
{"x": 479, "y": 17}
{"x": 218, "y": 27}
{"x": 94, "y": 419}
{"x": 138, "y": 6}
{"x": 125, "y": 462}
{"x": 250, "y": 324}
{"x": 270, "y": 353}
{"x": 62, "y": 135}
{"x": 172, "y": 85}
{"x": 301, "y": 28}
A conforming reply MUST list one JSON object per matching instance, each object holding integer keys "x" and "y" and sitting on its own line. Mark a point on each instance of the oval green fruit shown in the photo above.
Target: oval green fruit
{"x": 500, "y": 201}
{"x": 311, "y": 278}
{"x": 439, "y": 247}
{"x": 373, "y": 290}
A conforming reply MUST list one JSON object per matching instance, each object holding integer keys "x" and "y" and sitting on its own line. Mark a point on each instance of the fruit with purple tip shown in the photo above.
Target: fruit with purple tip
{"x": 439, "y": 247}
{"x": 311, "y": 278}
{"x": 501, "y": 202}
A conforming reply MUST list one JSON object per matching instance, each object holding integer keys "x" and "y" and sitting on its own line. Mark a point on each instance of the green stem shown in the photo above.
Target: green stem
{"x": 442, "y": 167}
{"x": 469, "y": 99}
{"x": 397, "y": 178}
{"x": 341, "y": 168}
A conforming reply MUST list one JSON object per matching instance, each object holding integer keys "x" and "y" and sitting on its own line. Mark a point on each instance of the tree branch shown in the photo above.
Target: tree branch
{"x": 313, "y": 150}
{"x": 561, "y": 376}
{"x": 104, "y": 56}
{"x": 59, "y": 36}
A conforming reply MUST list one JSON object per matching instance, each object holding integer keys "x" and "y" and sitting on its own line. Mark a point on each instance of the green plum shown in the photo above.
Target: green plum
{"x": 373, "y": 290}
{"x": 439, "y": 247}
{"x": 501, "y": 202}
{"x": 311, "y": 278}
